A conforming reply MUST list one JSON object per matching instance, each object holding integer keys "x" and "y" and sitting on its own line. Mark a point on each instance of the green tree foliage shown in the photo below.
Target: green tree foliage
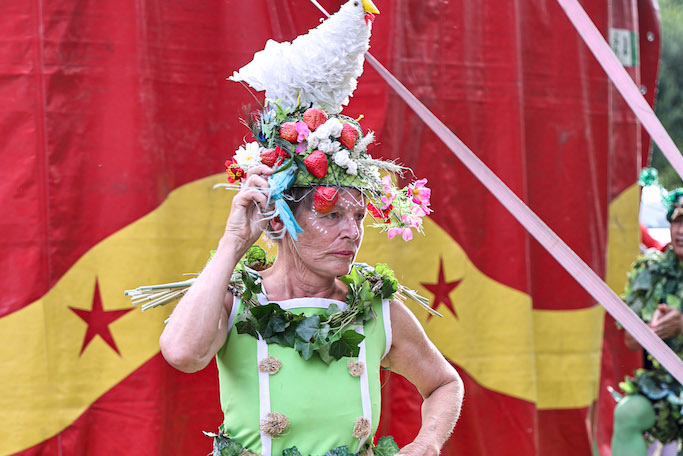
{"x": 669, "y": 104}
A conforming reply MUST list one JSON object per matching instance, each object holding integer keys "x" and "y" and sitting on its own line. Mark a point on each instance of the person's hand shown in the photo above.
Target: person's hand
{"x": 245, "y": 222}
{"x": 418, "y": 449}
{"x": 666, "y": 321}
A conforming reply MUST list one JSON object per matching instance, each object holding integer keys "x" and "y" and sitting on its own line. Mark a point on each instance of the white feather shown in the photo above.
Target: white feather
{"x": 322, "y": 65}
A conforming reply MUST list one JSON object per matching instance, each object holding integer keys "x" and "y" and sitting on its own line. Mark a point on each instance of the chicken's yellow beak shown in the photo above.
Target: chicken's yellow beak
{"x": 370, "y": 7}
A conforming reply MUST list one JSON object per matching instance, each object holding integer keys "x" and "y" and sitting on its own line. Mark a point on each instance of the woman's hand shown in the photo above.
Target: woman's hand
{"x": 666, "y": 321}
{"x": 245, "y": 222}
{"x": 418, "y": 449}
{"x": 415, "y": 357}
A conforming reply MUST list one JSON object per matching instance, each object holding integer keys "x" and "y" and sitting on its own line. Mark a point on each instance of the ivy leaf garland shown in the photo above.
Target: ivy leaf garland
{"x": 386, "y": 447}
{"x": 657, "y": 278}
{"x": 329, "y": 336}
{"x": 666, "y": 396}
{"x": 225, "y": 446}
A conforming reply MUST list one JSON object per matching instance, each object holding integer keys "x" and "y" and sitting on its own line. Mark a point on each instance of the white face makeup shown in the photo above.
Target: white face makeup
{"x": 330, "y": 241}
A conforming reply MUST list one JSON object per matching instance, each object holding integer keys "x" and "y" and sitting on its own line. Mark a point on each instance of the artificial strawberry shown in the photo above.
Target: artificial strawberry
{"x": 325, "y": 198}
{"x": 288, "y": 132}
{"x": 269, "y": 157}
{"x": 316, "y": 163}
{"x": 349, "y": 136}
{"x": 314, "y": 117}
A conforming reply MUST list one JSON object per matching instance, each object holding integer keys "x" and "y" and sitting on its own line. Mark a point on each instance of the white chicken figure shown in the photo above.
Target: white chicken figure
{"x": 321, "y": 66}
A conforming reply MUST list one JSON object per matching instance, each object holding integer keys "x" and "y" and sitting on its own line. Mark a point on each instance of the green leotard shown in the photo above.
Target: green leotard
{"x": 322, "y": 402}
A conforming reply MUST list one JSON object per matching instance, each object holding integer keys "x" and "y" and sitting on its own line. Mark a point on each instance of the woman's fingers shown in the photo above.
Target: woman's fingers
{"x": 260, "y": 170}
{"x": 246, "y": 218}
{"x": 256, "y": 196}
{"x": 254, "y": 188}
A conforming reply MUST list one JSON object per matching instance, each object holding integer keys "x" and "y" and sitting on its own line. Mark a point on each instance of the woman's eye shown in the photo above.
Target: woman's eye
{"x": 360, "y": 216}
{"x": 332, "y": 215}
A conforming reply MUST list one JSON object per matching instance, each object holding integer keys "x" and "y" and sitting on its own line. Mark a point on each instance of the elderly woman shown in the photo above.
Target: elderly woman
{"x": 299, "y": 343}
{"x": 290, "y": 376}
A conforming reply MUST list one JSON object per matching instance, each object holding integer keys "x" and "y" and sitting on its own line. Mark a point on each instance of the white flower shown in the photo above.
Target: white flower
{"x": 331, "y": 128}
{"x": 342, "y": 159}
{"x": 330, "y": 147}
{"x": 248, "y": 155}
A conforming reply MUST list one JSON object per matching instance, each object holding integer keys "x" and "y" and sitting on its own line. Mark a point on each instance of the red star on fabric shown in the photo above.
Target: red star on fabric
{"x": 441, "y": 290}
{"x": 98, "y": 321}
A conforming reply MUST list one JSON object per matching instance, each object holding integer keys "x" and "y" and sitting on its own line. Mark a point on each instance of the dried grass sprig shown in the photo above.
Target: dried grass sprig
{"x": 404, "y": 292}
{"x": 384, "y": 165}
{"x": 158, "y": 295}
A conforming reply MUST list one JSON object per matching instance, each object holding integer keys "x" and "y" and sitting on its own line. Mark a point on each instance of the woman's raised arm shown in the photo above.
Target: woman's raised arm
{"x": 198, "y": 326}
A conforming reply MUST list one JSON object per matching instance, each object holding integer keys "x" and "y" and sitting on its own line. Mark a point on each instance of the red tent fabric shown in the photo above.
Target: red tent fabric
{"x": 112, "y": 109}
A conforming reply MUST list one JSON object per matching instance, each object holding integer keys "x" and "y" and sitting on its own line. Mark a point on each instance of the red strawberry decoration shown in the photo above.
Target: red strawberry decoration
{"x": 269, "y": 157}
{"x": 314, "y": 117}
{"x": 349, "y": 136}
{"x": 316, "y": 163}
{"x": 288, "y": 132}
{"x": 325, "y": 198}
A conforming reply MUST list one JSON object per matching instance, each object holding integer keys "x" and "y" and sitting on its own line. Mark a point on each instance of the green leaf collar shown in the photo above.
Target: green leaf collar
{"x": 329, "y": 336}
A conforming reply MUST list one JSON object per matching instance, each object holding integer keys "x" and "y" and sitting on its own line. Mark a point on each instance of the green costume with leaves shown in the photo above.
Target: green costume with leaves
{"x": 655, "y": 278}
{"x": 301, "y": 376}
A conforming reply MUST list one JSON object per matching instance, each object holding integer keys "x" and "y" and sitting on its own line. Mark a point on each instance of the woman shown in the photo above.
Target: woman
{"x": 308, "y": 268}
{"x": 299, "y": 345}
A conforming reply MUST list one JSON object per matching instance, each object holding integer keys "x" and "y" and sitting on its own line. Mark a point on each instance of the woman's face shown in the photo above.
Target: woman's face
{"x": 677, "y": 236}
{"x": 330, "y": 241}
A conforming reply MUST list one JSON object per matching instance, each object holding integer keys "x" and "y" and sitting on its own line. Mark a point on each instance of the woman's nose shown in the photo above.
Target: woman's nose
{"x": 351, "y": 228}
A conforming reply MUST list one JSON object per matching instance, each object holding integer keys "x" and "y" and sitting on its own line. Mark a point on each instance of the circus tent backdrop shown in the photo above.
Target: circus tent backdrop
{"x": 117, "y": 118}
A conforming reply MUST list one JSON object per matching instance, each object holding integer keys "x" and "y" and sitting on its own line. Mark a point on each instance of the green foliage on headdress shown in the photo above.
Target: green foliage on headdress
{"x": 648, "y": 176}
{"x": 265, "y": 129}
{"x": 672, "y": 200}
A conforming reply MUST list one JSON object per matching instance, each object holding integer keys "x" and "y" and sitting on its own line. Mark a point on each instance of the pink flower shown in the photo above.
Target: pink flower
{"x": 303, "y": 131}
{"x": 420, "y": 194}
{"x": 411, "y": 220}
{"x": 389, "y": 192}
{"x": 406, "y": 233}
{"x": 419, "y": 211}
{"x": 301, "y": 148}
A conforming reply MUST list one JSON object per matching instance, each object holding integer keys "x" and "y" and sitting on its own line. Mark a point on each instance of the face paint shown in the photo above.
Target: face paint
{"x": 330, "y": 241}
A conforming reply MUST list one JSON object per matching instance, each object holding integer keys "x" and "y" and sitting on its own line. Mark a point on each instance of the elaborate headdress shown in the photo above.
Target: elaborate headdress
{"x": 673, "y": 201}
{"x": 301, "y": 132}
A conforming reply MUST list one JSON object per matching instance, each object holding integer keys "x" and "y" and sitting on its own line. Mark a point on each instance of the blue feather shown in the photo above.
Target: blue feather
{"x": 288, "y": 219}
{"x": 280, "y": 181}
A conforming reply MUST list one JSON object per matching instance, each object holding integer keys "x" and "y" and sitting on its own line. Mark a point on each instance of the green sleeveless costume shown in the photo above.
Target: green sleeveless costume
{"x": 322, "y": 402}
